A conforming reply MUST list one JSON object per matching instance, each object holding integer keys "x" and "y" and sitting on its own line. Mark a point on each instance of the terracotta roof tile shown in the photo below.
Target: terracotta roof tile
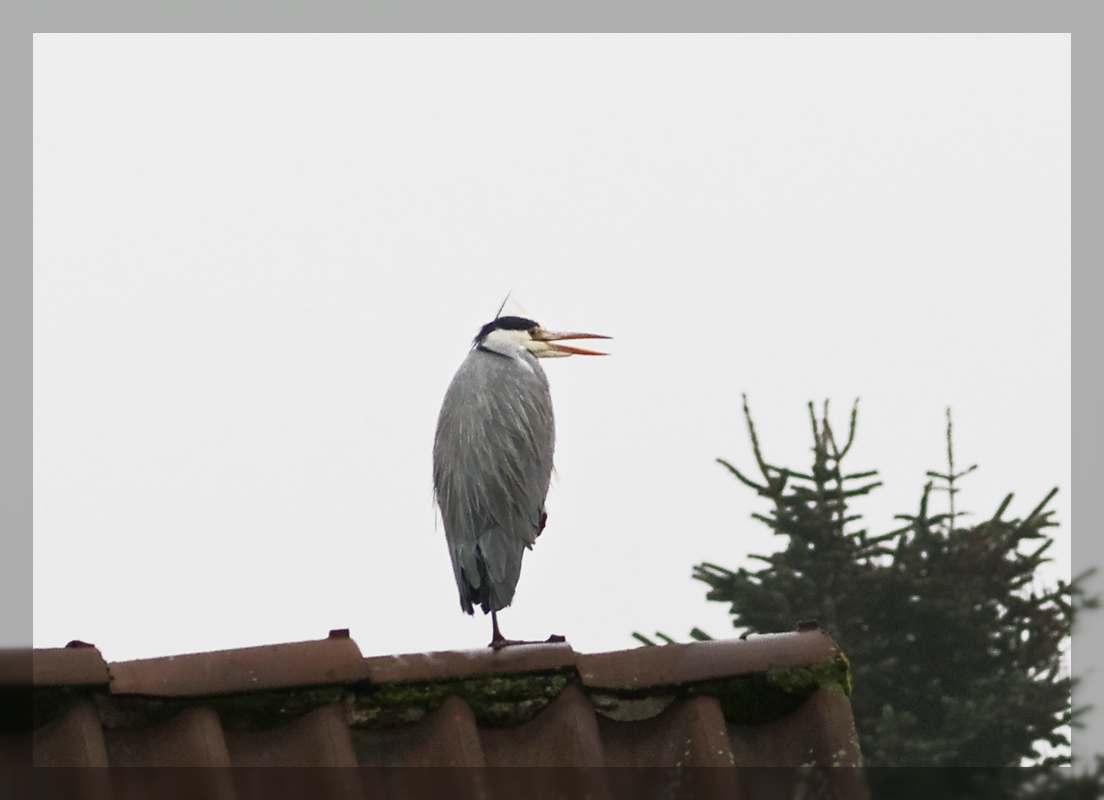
{"x": 320, "y": 738}
{"x": 462, "y": 663}
{"x": 688, "y": 733}
{"x": 69, "y": 666}
{"x": 768, "y": 700}
{"x": 565, "y": 734}
{"x": 73, "y": 740}
{"x": 447, "y": 737}
{"x": 684, "y": 663}
{"x": 313, "y": 663}
{"x": 192, "y": 738}
{"x": 820, "y": 731}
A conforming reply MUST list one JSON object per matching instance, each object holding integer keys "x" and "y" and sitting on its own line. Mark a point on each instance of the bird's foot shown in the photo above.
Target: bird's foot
{"x": 500, "y": 642}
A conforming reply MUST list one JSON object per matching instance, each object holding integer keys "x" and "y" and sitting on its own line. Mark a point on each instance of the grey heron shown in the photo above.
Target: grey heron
{"x": 492, "y": 459}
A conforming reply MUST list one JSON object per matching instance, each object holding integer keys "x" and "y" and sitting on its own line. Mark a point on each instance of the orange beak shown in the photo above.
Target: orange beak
{"x": 551, "y": 336}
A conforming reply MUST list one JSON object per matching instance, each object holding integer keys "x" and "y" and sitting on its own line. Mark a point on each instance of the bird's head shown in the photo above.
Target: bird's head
{"x": 506, "y": 335}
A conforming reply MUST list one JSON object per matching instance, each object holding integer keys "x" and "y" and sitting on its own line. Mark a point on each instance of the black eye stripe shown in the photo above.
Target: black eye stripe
{"x": 512, "y": 324}
{"x": 507, "y": 324}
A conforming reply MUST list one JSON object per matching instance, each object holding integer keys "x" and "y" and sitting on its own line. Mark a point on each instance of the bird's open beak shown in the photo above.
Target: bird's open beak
{"x": 551, "y": 337}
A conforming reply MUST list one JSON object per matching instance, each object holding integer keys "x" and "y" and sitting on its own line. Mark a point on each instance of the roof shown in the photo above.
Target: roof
{"x": 769, "y": 700}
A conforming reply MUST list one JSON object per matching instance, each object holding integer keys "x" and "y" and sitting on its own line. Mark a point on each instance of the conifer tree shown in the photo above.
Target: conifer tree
{"x": 955, "y": 652}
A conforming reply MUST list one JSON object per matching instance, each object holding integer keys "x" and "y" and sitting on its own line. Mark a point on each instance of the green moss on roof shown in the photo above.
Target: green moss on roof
{"x": 495, "y": 700}
{"x": 244, "y": 711}
{"x": 749, "y": 699}
{"x": 761, "y": 697}
{"x": 263, "y": 710}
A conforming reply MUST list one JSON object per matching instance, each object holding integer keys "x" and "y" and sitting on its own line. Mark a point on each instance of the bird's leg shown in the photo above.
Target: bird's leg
{"x": 496, "y": 635}
{"x": 498, "y": 641}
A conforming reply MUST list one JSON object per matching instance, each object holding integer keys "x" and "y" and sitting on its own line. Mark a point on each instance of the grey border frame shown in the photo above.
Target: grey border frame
{"x": 1081, "y": 18}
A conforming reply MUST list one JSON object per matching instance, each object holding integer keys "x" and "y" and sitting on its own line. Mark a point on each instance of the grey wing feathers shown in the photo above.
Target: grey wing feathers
{"x": 492, "y": 463}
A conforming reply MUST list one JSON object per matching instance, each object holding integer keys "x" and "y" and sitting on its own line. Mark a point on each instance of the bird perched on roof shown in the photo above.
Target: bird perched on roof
{"x": 492, "y": 458}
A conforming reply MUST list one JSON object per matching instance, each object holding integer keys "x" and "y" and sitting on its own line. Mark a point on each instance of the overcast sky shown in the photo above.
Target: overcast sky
{"x": 259, "y": 260}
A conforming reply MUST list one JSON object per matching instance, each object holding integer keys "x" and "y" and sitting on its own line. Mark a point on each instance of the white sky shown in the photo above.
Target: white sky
{"x": 259, "y": 261}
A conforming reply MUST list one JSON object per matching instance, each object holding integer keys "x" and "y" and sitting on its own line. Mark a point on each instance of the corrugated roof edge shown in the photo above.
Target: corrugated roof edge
{"x": 337, "y": 660}
{"x": 755, "y": 679}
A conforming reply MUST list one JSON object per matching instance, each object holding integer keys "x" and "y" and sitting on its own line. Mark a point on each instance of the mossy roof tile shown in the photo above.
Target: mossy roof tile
{"x": 765, "y": 700}
{"x": 685, "y": 663}
{"x": 464, "y": 663}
